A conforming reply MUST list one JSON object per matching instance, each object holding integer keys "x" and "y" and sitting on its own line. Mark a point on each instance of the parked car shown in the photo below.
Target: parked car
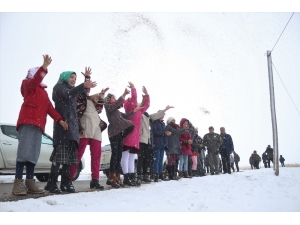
{"x": 8, "y": 154}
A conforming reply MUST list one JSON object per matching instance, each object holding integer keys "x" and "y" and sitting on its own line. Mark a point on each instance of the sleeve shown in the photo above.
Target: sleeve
{"x": 127, "y": 115}
{"x": 146, "y": 105}
{"x": 133, "y": 95}
{"x": 231, "y": 144}
{"x": 205, "y": 140}
{"x": 115, "y": 106}
{"x": 156, "y": 116}
{"x": 182, "y": 139}
{"x": 220, "y": 141}
{"x": 53, "y": 113}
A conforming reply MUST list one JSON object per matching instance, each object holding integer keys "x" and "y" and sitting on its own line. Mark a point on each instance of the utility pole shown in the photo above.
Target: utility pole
{"x": 273, "y": 115}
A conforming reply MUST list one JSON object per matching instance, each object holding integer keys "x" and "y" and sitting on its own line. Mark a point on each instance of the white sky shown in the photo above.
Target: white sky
{"x": 214, "y": 61}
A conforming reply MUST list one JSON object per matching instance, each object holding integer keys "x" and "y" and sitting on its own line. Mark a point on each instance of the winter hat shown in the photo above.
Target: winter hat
{"x": 31, "y": 73}
{"x": 66, "y": 75}
{"x": 170, "y": 119}
{"x": 108, "y": 98}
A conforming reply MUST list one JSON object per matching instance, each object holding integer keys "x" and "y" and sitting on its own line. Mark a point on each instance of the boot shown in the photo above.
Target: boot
{"x": 146, "y": 178}
{"x": 195, "y": 174}
{"x": 32, "y": 187}
{"x": 111, "y": 180}
{"x": 95, "y": 184}
{"x": 172, "y": 174}
{"x": 119, "y": 180}
{"x": 67, "y": 186}
{"x": 161, "y": 176}
{"x": 127, "y": 180}
{"x": 155, "y": 177}
{"x": 133, "y": 177}
{"x": 180, "y": 174}
{"x": 186, "y": 174}
{"x": 212, "y": 173}
{"x": 51, "y": 185}
{"x": 19, "y": 187}
{"x": 139, "y": 180}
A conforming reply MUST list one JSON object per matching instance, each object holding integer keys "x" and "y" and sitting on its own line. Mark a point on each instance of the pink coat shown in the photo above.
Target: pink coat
{"x": 133, "y": 139}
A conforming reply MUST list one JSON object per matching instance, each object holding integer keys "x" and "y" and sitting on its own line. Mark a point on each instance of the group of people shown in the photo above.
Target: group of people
{"x": 266, "y": 157}
{"x": 77, "y": 124}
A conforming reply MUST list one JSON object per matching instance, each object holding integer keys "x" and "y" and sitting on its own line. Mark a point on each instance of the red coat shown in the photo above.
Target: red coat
{"x": 186, "y": 149}
{"x": 36, "y": 105}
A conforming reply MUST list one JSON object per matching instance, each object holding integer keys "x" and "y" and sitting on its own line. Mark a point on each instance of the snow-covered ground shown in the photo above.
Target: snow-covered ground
{"x": 247, "y": 191}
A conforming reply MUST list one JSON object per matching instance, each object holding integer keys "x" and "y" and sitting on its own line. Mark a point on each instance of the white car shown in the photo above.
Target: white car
{"x": 8, "y": 154}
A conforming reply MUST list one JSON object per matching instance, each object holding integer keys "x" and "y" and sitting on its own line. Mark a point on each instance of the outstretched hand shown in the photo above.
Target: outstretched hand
{"x": 131, "y": 85}
{"x": 168, "y": 107}
{"x": 47, "y": 61}
{"x": 104, "y": 90}
{"x": 126, "y": 92}
{"x": 138, "y": 108}
{"x": 90, "y": 84}
{"x": 88, "y": 72}
{"x": 144, "y": 91}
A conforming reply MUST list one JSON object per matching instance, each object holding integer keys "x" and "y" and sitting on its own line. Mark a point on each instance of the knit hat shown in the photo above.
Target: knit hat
{"x": 108, "y": 98}
{"x": 170, "y": 119}
{"x": 66, "y": 75}
{"x": 31, "y": 73}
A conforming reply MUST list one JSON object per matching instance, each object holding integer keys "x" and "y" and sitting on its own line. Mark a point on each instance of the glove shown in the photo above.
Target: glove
{"x": 166, "y": 148}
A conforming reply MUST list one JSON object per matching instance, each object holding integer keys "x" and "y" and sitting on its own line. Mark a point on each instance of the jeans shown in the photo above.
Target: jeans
{"x": 158, "y": 160}
{"x": 183, "y": 162}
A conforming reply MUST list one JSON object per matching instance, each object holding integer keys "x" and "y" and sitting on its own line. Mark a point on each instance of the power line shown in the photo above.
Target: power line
{"x": 282, "y": 32}
{"x": 285, "y": 87}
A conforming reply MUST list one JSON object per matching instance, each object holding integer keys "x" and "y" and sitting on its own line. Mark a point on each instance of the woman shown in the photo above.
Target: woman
{"x": 174, "y": 149}
{"x": 131, "y": 144}
{"x": 65, "y": 142}
{"x": 119, "y": 128}
{"x": 88, "y": 109}
{"x": 31, "y": 125}
{"x": 186, "y": 142}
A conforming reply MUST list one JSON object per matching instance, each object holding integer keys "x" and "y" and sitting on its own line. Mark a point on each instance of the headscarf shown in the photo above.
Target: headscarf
{"x": 66, "y": 75}
{"x": 31, "y": 73}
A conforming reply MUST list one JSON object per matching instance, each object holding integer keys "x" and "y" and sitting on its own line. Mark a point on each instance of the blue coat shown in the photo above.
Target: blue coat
{"x": 159, "y": 138}
{"x": 227, "y": 145}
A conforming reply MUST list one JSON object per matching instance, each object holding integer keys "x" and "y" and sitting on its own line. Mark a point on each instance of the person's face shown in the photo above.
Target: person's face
{"x": 211, "y": 130}
{"x": 161, "y": 118}
{"x": 72, "y": 80}
{"x": 222, "y": 130}
{"x": 186, "y": 124}
{"x": 112, "y": 99}
{"x": 172, "y": 121}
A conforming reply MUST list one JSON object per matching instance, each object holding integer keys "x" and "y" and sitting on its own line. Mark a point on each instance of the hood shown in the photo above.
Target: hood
{"x": 129, "y": 105}
{"x": 182, "y": 121}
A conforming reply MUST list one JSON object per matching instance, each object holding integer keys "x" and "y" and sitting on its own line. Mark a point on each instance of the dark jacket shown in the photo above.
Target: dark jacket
{"x": 255, "y": 157}
{"x": 117, "y": 120}
{"x": 213, "y": 142}
{"x": 269, "y": 152}
{"x": 173, "y": 139}
{"x": 281, "y": 159}
{"x": 197, "y": 140}
{"x": 227, "y": 145}
{"x": 158, "y": 130}
{"x": 264, "y": 157}
{"x": 64, "y": 97}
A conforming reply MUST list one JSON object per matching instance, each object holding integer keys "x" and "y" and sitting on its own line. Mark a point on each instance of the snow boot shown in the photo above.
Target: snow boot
{"x": 146, "y": 178}
{"x": 133, "y": 177}
{"x": 139, "y": 180}
{"x": 112, "y": 180}
{"x": 119, "y": 180}
{"x": 186, "y": 174}
{"x": 19, "y": 187}
{"x": 180, "y": 174}
{"x": 95, "y": 184}
{"x": 51, "y": 185}
{"x": 66, "y": 182}
{"x": 161, "y": 176}
{"x": 155, "y": 177}
{"x": 32, "y": 187}
{"x": 127, "y": 180}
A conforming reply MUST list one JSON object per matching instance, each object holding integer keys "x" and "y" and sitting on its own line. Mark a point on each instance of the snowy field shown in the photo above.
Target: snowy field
{"x": 248, "y": 191}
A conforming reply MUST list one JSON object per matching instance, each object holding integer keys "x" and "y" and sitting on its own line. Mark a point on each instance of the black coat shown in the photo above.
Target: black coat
{"x": 227, "y": 146}
{"x": 64, "y": 97}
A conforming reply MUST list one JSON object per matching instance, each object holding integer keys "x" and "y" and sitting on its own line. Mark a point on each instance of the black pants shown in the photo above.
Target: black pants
{"x": 237, "y": 166}
{"x": 269, "y": 162}
{"x": 190, "y": 164}
{"x": 256, "y": 164}
{"x": 265, "y": 163}
{"x": 144, "y": 162}
{"x": 65, "y": 171}
{"x": 282, "y": 164}
{"x": 207, "y": 169}
{"x": 116, "y": 144}
{"x": 226, "y": 163}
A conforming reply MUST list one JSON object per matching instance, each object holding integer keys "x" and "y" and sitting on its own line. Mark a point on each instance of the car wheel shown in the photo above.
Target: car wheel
{"x": 42, "y": 177}
{"x": 77, "y": 173}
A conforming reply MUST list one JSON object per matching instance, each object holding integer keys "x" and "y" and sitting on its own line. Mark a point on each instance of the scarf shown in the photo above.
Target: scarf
{"x": 66, "y": 76}
{"x": 31, "y": 73}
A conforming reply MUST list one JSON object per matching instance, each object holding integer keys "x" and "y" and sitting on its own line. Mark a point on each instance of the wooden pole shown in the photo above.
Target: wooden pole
{"x": 273, "y": 115}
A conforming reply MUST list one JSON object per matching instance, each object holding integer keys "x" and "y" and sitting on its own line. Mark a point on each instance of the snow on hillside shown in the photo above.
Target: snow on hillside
{"x": 247, "y": 191}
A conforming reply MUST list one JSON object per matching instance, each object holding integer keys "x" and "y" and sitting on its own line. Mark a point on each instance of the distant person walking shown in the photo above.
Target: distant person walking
{"x": 265, "y": 160}
{"x": 225, "y": 150}
{"x": 236, "y": 160}
{"x": 251, "y": 162}
{"x": 256, "y": 160}
{"x": 281, "y": 160}
{"x": 269, "y": 151}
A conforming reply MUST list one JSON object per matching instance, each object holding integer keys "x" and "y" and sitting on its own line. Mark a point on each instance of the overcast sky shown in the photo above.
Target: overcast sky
{"x": 196, "y": 62}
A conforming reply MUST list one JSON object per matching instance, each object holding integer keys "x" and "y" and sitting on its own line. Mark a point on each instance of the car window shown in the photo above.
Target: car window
{"x": 10, "y": 131}
{"x": 46, "y": 140}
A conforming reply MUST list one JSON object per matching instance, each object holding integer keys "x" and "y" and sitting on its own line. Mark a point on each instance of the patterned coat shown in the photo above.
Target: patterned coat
{"x": 186, "y": 148}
